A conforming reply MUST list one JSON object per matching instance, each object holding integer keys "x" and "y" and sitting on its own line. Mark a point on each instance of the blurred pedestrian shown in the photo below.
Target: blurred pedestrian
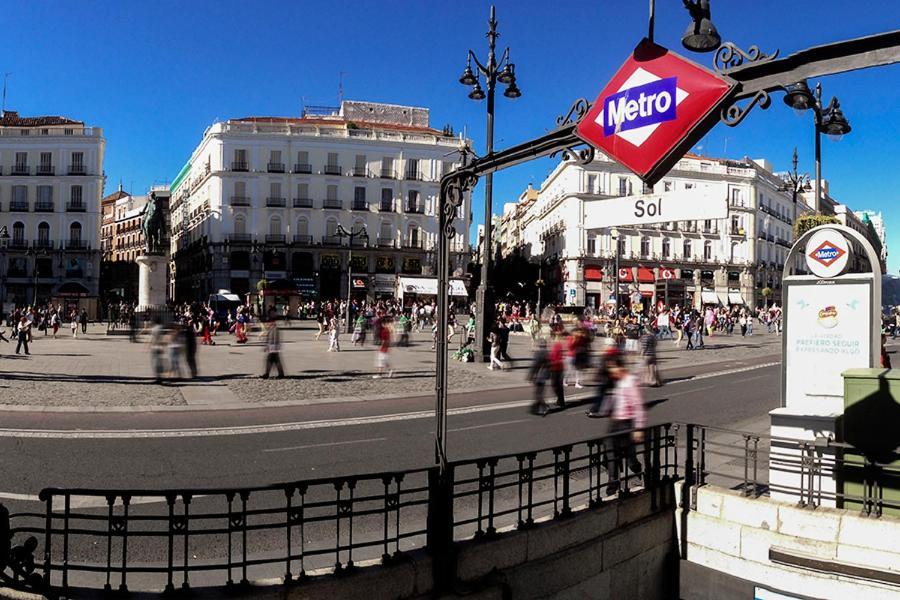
{"x": 175, "y": 348}
{"x": 334, "y": 335}
{"x": 600, "y": 407}
{"x": 557, "y": 368}
{"x": 189, "y": 341}
{"x": 648, "y": 354}
{"x": 627, "y": 413}
{"x": 382, "y": 358}
{"x": 538, "y": 375}
{"x": 494, "y": 339}
{"x": 157, "y": 339}
{"x": 272, "y": 349}
{"x": 84, "y": 321}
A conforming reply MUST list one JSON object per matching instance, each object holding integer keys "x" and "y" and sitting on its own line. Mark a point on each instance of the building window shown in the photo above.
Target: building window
{"x": 621, "y": 246}
{"x": 592, "y": 245}
{"x": 687, "y": 249}
{"x": 387, "y": 199}
{"x": 18, "y": 235}
{"x": 274, "y": 189}
{"x": 240, "y": 160}
{"x": 385, "y": 233}
{"x": 46, "y": 161}
{"x": 645, "y": 247}
{"x": 591, "y": 184}
{"x": 707, "y": 250}
{"x": 331, "y": 227}
{"x": 387, "y": 167}
{"x": 666, "y": 247}
{"x": 302, "y": 227}
{"x": 240, "y": 224}
{"x": 331, "y": 192}
{"x": 44, "y": 195}
{"x": 412, "y": 201}
{"x": 75, "y": 196}
{"x": 667, "y": 186}
{"x": 412, "y": 168}
{"x": 359, "y": 167}
{"x": 708, "y": 226}
{"x": 75, "y": 232}
{"x": 624, "y": 187}
{"x": 43, "y": 233}
{"x": 737, "y": 198}
{"x": 332, "y": 160}
{"x": 275, "y": 225}
{"x": 413, "y": 236}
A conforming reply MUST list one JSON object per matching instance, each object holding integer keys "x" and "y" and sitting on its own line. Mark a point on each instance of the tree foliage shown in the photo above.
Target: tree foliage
{"x": 807, "y": 222}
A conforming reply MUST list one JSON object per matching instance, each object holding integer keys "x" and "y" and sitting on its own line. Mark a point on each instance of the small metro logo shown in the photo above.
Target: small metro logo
{"x": 827, "y": 253}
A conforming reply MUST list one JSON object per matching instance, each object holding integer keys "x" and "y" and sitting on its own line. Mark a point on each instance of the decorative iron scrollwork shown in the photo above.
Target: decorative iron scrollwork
{"x": 729, "y": 56}
{"x": 584, "y": 156}
{"x": 578, "y": 110}
{"x": 732, "y": 115}
{"x": 17, "y": 563}
{"x": 453, "y": 191}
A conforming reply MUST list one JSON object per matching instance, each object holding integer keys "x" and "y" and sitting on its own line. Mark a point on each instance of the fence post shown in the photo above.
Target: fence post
{"x": 439, "y": 534}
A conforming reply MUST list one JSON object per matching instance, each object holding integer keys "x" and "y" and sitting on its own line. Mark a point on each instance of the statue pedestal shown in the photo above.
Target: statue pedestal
{"x": 151, "y": 281}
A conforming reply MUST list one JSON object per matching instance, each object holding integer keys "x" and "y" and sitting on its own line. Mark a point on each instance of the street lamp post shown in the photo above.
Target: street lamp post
{"x": 493, "y": 72}
{"x": 795, "y": 183}
{"x": 614, "y": 235}
{"x": 351, "y": 235}
{"x": 829, "y": 119}
{"x": 545, "y": 260}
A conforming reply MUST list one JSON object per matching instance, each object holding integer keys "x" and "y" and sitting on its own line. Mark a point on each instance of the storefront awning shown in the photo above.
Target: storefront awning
{"x": 427, "y": 286}
{"x": 645, "y": 275}
{"x": 735, "y": 298}
{"x": 723, "y": 299}
{"x": 709, "y": 297}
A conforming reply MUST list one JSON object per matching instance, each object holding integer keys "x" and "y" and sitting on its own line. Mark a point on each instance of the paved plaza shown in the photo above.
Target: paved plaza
{"x": 98, "y": 371}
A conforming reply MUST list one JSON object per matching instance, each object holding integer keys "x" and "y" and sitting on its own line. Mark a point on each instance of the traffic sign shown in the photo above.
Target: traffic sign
{"x": 654, "y": 208}
{"x": 827, "y": 253}
{"x": 653, "y": 110}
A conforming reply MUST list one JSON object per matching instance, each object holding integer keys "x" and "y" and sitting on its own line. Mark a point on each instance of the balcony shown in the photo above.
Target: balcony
{"x": 77, "y": 170}
{"x": 332, "y": 240}
{"x": 18, "y": 206}
{"x": 75, "y": 207}
{"x": 305, "y": 240}
{"x": 76, "y": 244}
{"x": 332, "y": 203}
{"x": 241, "y": 238}
{"x": 412, "y": 244}
{"x": 386, "y": 243}
{"x": 360, "y": 205}
{"x": 21, "y": 170}
{"x": 360, "y": 172}
{"x": 359, "y": 242}
{"x": 239, "y": 165}
{"x": 332, "y": 169}
{"x": 43, "y": 206}
{"x": 45, "y": 170}
{"x": 43, "y": 243}
{"x": 303, "y": 203}
{"x": 388, "y": 174}
{"x": 386, "y": 207}
{"x": 415, "y": 209}
{"x": 18, "y": 243}
{"x": 275, "y": 238}
{"x": 240, "y": 201}
{"x": 303, "y": 168}
{"x": 275, "y": 167}
{"x": 275, "y": 202}
{"x": 413, "y": 176}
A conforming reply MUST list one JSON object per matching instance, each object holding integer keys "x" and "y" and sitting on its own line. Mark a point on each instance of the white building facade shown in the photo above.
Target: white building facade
{"x": 708, "y": 261}
{"x": 51, "y": 182}
{"x": 263, "y": 198}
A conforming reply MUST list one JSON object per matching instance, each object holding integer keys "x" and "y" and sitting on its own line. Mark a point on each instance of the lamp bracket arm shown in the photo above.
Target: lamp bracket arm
{"x": 481, "y": 68}
{"x": 729, "y": 57}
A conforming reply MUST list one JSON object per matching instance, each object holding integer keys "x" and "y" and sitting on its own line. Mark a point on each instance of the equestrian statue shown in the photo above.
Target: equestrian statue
{"x": 154, "y": 226}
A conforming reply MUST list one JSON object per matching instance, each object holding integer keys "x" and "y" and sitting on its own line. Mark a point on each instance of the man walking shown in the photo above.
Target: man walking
{"x": 22, "y": 331}
{"x": 272, "y": 349}
{"x": 84, "y": 321}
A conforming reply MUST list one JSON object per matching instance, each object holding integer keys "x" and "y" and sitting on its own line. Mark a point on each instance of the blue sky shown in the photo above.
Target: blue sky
{"x": 154, "y": 75}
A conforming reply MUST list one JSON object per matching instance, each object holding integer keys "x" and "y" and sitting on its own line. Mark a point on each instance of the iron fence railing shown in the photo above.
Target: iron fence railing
{"x": 121, "y": 539}
{"x": 813, "y": 473}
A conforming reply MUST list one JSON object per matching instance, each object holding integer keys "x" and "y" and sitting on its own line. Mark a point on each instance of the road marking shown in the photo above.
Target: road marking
{"x": 750, "y": 379}
{"x": 489, "y": 425}
{"x": 306, "y": 425}
{"x": 365, "y": 441}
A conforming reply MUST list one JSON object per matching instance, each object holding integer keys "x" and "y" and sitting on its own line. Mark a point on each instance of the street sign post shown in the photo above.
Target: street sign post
{"x": 654, "y": 109}
{"x": 654, "y": 208}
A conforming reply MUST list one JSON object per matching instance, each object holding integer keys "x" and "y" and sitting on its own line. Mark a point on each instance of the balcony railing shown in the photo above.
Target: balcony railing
{"x": 360, "y": 205}
{"x": 76, "y": 244}
{"x": 275, "y": 238}
{"x": 386, "y": 242}
{"x": 332, "y": 169}
{"x": 240, "y": 201}
{"x": 388, "y": 174}
{"x": 43, "y": 207}
{"x": 305, "y": 240}
{"x": 15, "y": 206}
{"x": 21, "y": 170}
{"x": 359, "y": 242}
{"x": 412, "y": 244}
{"x": 413, "y": 176}
{"x": 45, "y": 170}
{"x": 77, "y": 170}
{"x": 275, "y": 202}
{"x": 303, "y": 202}
{"x": 302, "y": 168}
{"x": 275, "y": 167}
{"x": 75, "y": 207}
{"x": 332, "y": 203}
{"x": 386, "y": 207}
{"x": 18, "y": 243}
{"x": 360, "y": 172}
{"x": 239, "y": 165}
{"x": 43, "y": 243}
{"x": 240, "y": 237}
{"x": 332, "y": 240}
{"x": 417, "y": 209}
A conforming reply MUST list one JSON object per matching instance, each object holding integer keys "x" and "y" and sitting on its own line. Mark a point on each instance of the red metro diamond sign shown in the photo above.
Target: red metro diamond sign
{"x": 653, "y": 110}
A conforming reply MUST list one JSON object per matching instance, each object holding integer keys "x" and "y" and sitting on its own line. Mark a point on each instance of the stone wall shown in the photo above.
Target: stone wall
{"x": 733, "y": 535}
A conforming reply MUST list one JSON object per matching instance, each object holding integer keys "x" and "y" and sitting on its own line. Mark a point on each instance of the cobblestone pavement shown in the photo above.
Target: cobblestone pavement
{"x": 97, "y": 371}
